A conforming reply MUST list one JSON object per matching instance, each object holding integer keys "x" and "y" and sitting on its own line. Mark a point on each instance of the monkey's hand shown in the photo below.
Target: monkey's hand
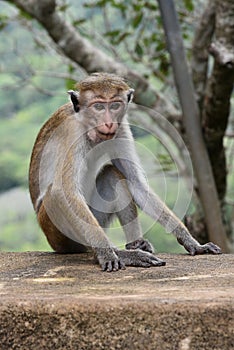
{"x": 142, "y": 244}
{"x": 138, "y": 257}
{"x": 208, "y": 248}
{"x": 109, "y": 260}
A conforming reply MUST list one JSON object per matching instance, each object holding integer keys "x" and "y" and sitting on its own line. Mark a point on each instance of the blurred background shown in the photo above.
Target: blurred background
{"x": 36, "y": 70}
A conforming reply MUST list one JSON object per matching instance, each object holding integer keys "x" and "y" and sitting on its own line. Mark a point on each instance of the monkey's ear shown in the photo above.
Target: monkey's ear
{"x": 130, "y": 95}
{"x": 74, "y": 96}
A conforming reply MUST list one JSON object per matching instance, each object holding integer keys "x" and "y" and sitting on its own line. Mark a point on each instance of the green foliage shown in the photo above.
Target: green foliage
{"x": 23, "y": 108}
{"x": 189, "y": 5}
{"x": 18, "y": 228}
{"x": 29, "y": 93}
{"x": 135, "y": 29}
{"x": 17, "y": 137}
{"x": 3, "y": 21}
{"x": 14, "y": 139}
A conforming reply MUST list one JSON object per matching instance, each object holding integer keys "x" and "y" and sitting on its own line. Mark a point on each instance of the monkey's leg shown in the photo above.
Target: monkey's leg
{"x": 75, "y": 220}
{"x": 112, "y": 189}
{"x": 128, "y": 218}
{"x": 59, "y": 242}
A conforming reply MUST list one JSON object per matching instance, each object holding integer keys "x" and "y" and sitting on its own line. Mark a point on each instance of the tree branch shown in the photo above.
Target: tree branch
{"x": 92, "y": 59}
{"x": 200, "y": 51}
{"x": 222, "y": 54}
{"x": 223, "y": 47}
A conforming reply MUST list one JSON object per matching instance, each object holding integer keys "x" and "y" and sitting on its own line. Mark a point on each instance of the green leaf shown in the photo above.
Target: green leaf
{"x": 69, "y": 83}
{"x": 121, "y": 6}
{"x": 139, "y": 50}
{"x": 99, "y": 3}
{"x": 189, "y": 5}
{"x": 137, "y": 20}
{"x": 151, "y": 6}
{"x": 3, "y": 21}
{"x": 137, "y": 6}
{"x": 71, "y": 68}
{"x": 164, "y": 64}
{"x": 78, "y": 22}
{"x": 113, "y": 33}
{"x": 24, "y": 14}
{"x": 122, "y": 37}
{"x": 63, "y": 8}
{"x": 160, "y": 46}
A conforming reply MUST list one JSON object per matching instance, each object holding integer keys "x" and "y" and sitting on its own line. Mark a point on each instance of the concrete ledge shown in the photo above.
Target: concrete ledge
{"x": 50, "y": 301}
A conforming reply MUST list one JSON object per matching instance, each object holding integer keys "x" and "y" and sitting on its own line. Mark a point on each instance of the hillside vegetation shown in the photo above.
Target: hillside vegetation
{"x": 33, "y": 84}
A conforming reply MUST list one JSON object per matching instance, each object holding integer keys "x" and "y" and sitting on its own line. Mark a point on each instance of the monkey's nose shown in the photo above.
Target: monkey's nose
{"x": 108, "y": 128}
{"x": 109, "y": 125}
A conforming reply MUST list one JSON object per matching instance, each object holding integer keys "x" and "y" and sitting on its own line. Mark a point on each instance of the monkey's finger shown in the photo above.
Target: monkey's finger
{"x": 109, "y": 266}
{"x": 192, "y": 251}
{"x": 146, "y": 246}
{"x": 122, "y": 265}
{"x": 147, "y": 260}
{"x": 105, "y": 266}
{"x": 115, "y": 265}
{"x": 154, "y": 261}
{"x": 143, "y": 264}
{"x": 158, "y": 262}
{"x": 210, "y": 248}
{"x": 141, "y": 244}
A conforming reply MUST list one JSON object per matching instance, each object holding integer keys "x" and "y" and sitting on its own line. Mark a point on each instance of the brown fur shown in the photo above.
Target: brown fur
{"x": 103, "y": 83}
{"x": 46, "y": 131}
{"x": 59, "y": 242}
{"x": 56, "y": 239}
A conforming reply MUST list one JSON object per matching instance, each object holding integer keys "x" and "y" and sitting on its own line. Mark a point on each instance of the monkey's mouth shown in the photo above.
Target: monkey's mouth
{"x": 105, "y": 136}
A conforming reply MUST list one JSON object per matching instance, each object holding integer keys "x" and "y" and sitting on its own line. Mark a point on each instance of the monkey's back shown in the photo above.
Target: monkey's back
{"x": 42, "y": 138}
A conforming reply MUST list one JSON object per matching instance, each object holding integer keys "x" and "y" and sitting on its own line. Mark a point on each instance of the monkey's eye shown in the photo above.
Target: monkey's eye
{"x": 115, "y": 105}
{"x": 98, "y": 106}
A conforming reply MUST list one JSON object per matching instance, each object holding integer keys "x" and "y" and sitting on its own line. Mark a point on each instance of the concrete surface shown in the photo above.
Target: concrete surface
{"x": 50, "y": 301}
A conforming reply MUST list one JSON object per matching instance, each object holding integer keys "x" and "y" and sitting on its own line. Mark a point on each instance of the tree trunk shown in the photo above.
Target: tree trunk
{"x": 214, "y": 99}
{"x": 200, "y": 51}
{"x": 216, "y": 106}
{"x": 206, "y": 184}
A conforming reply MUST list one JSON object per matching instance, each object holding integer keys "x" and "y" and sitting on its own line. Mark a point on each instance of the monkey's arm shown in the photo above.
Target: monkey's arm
{"x": 152, "y": 205}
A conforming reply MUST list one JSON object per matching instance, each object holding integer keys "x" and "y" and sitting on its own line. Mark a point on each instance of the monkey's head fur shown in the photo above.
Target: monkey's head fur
{"x": 101, "y": 100}
{"x": 103, "y": 83}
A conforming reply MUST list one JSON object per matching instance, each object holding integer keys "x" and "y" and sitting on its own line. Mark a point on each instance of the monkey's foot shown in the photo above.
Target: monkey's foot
{"x": 142, "y": 244}
{"x": 139, "y": 258}
{"x": 109, "y": 260}
{"x": 208, "y": 248}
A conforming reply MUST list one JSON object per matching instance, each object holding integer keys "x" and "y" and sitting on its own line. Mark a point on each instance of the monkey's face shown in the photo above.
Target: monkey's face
{"x": 102, "y": 112}
{"x": 105, "y": 116}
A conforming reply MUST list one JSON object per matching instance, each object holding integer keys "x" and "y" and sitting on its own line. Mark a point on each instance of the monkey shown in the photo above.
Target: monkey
{"x": 84, "y": 170}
